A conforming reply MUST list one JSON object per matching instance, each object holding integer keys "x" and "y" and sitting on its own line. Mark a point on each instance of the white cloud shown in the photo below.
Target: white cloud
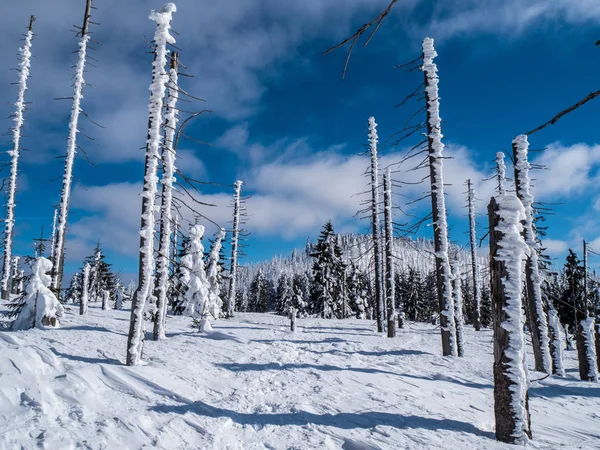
{"x": 555, "y": 247}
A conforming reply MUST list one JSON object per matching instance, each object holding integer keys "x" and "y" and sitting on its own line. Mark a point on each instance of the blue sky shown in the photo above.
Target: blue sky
{"x": 284, "y": 121}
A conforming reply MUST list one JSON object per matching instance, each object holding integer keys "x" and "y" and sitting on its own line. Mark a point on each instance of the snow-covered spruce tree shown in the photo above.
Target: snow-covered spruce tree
{"x": 301, "y": 288}
{"x": 181, "y": 278}
{"x": 438, "y": 203}
{"x": 160, "y": 78}
{"x": 390, "y": 291}
{"x": 373, "y": 139}
{"x": 166, "y": 202}
{"x": 359, "y": 292}
{"x": 85, "y": 281}
{"x": 23, "y": 68}
{"x": 234, "y": 248}
{"x": 65, "y": 196}
{"x": 73, "y": 293}
{"x": 458, "y": 308}
{"x": 213, "y": 273}
{"x": 101, "y": 275}
{"x": 586, "y": 346}
{"x": 38, "y": 307}
{"x": 538, "y": 323}
{"x": 474, "y": 261}
{"x": 507, "y": 249}
{"x": 327, "y": 288}
{"x": 200, "y": 305}
{"x": 285, "y": 295}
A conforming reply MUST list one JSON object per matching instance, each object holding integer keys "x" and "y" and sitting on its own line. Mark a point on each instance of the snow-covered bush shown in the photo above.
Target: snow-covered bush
{"x": 38, "y": 306}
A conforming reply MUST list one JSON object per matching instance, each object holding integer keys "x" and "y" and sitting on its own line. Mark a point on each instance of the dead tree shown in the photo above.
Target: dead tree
{"x": 586, "y": 345}
{"x": 474, "y": 261}
{"x": 20, "y": 105}
{"x": 65, "y": 198}
{"x": 458, "y": 309}
{"x": 160, "y": 78}
{"x": 373, "y": 139}
{"x": 390, "y": 292}
{"x": 440, "y": 225}
{"x": 166, "y": 205}
{"x": 538, "y": 323}
{"x": 83, "y": 302}
{"x": 507, "y": 248}
{"x": 235, "y": 234}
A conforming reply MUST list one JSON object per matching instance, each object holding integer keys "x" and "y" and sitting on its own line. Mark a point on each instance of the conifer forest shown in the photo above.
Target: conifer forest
{"x": 300, "y": 225}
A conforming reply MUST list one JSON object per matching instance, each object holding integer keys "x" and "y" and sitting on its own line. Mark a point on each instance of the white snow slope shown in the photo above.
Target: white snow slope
{"x": 251, "y": 384}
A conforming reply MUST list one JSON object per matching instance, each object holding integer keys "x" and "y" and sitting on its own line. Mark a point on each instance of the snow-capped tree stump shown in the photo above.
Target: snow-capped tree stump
{"x": 507, "y": 248}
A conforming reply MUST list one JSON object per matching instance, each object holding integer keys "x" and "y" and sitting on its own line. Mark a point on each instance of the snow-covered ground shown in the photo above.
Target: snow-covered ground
{"x": 251, "y": 384}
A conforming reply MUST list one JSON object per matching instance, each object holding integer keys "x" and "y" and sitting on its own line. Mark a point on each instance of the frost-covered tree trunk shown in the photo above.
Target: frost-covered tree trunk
{"x": 15, "y": 289}
{"x": 160, "y": 78}
{"x": 556, "y": 341}
{"x": 538, "y": 323}
{"x": 390, "y": 291}
{"x": 438, "y": 203}
{"x": 24, "y": 66}
{"x": 53, "y": 238}
{"x": 501, "y": 173}
{"x": 168, "y": 159}
{"x": 105, "y": 296}
{"x": 234, "y": 248}
{"x": 292, "y": 319}
{"x": 586, "y": 345}
{"x": 119, "y": 299}
{"x": 458, "y": 309}
{"x": 507, "y": 249}
{"x": 65, "y": 197}
{"x": 474, "y": 261}
{"x": 213, "y": 274}
{"x": 83, "y": 302}
{"x": 373, "y": 139}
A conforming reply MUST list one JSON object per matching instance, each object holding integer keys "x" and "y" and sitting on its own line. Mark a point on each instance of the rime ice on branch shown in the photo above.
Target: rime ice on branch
{"x": 168, "y": 160}
{"x": 160, "y": 78}
{"x": 375, "y": 222}
{"x": 537, "y": 316}
{"x": 24, "y": 66}
{"x": 507, "y": 251}
{"x": 65, "y": 196}
{"x": 440, "y": 225}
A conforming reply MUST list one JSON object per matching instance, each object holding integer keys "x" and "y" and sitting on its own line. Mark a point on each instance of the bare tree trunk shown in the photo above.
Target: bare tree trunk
{"x": 438, "y": 204}
{"x": 586, "y": 345}
{"x": 474, "y": 261}
{"x": 458, "y": 309}
{"x": 234, "y": 248}
{"x": 160, "y": 79}
{"x": 24, "y": 66}
{"x": 293, "y": 319}
{"x": 83, "y": 302}
{"x": 390, "y": 289}
{"x": 105, "y": 296}
{"x": 556, "y": 342}
{"x": 375, "y": 223}
{"x": 535, "y": 307}
{"x": 511, "y": 400}
{"x": 65, "y": 198}
{"x": 168, "y": 158}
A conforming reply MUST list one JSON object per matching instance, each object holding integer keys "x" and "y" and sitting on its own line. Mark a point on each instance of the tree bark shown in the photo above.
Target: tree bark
{"x": 390, "y": 291}
{"x": 508, "y": 428}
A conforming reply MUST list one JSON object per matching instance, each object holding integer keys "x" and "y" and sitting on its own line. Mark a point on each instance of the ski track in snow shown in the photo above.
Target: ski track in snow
{"x": 251, "y": 384}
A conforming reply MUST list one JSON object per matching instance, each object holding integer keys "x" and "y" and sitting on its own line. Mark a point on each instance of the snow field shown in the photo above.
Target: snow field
{"x": 251, "y": 384}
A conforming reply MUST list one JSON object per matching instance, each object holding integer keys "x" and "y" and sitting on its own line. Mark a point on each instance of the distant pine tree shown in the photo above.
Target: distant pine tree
{"x": 101, "y": 276}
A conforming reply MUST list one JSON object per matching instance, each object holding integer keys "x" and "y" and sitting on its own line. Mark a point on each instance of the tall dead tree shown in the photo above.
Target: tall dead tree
{"x": 20, "y": 106}
{"x": 435, "y": 149}
{"x": 59, "y": 257}
{"x": 373, "y": 139}
{"x": 235, "y": 235}
{"x": 390, "y": 291}
{"x": 458, "y": 308}
{"x": 507, "y": 249}
{"x": 160, "y": 78}
{"x": 474, "y": 261}
{"x": 166, "y": 205}
{"x": 500, "y": 173}
{"x": 538, "y": 323}
{"x": 586, "y": 346}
